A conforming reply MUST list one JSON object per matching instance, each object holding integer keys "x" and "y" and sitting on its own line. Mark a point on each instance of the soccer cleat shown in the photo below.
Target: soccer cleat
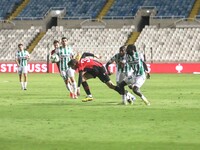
{"x": 71, "y": 95}
{"x": 25, "y": 89}
{"x": 88, "y": 98}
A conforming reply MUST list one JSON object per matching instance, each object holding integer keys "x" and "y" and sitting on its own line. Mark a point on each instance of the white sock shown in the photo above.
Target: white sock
{"x": 143, "y": 98}
{"x": 69, "y": 87}
{"x": 90, "y": 95}
{"x": 74, "y": 86}
{"x": 22, "y": 85}
{"x": 124, "y": 99}
{"x": 25, "y": 85}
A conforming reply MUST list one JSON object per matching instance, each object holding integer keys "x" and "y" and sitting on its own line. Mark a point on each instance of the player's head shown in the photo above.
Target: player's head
{"x": 56, "y": 43}
{"x": 20, "y": 46}
{"x": 73, "y": 63}
{"x": 122, "y": 50}
{"x": 64, "y": 41}
{"x": 130, "y": 49}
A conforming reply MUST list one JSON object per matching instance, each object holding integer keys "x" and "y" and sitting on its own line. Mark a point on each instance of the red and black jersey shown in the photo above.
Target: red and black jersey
{"x": 88, "y": 63}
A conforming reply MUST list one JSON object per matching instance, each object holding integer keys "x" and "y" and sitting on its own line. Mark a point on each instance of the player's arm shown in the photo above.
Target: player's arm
{"x": 17, "y": 61}
{"x": 146, "y": 69}
{"x": 107, "y": 65}
{"x": 27, "y": 56}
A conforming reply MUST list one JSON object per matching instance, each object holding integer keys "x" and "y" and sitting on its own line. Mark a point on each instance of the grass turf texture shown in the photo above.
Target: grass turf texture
{"x": 45, "y": 118}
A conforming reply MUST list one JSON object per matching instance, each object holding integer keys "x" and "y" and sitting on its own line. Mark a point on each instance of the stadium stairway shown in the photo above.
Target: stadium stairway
{"x": 195, "y": 10}
{"x": 18, "y": 10}
{"x": 105, "y": 9}
{"x": 133, "y": 37}
{"x": 35, "y": 41}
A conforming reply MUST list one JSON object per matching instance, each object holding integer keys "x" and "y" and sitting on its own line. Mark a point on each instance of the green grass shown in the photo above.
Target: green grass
{"x": 45, "y": 118}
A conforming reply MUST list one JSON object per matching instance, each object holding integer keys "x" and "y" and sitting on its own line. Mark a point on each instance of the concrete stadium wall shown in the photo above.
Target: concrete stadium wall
{"x": 110, "y": 23}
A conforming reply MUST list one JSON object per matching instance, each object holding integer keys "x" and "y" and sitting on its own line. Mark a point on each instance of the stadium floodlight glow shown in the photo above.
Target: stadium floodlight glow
{"x": 58, "y": 12}
{"x": 148, "y": 11}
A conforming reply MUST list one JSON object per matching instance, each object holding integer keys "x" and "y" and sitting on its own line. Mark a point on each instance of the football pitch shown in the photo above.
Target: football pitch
{"x": 45, "y": 118}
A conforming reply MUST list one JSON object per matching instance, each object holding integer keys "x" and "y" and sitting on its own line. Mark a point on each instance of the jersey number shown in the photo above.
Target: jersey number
{"x": 85, "y": 60}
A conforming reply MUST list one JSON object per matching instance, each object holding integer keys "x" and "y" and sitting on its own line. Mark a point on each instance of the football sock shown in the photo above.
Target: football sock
{"x": 74, "y": 86}
{"x": 22, "y": 85}
{"x": 86, "y": 88}
{"x": 143, "y": 97}
{"x": 25, "y": 85}
{"x": 124, "y": 100}
{"x": 69, "y": 87}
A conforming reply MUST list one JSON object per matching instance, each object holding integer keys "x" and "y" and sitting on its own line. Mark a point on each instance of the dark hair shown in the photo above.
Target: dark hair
{"x": 72, "y": 62}
{"x": 131, "y": 47}
{"x": 64, "y": 38}
{"x": 122, "y": 48}
{"x": 20, "y": 44}
{"x": 55, "y": 41}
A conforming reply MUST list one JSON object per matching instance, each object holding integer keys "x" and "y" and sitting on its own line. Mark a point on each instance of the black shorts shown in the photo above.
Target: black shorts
{"x": 99, "y": 72}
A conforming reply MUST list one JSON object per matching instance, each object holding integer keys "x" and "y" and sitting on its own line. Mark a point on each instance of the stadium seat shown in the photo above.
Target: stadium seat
{"x": 165, "y": 8}
{"x": 9, "y": 40}
{"x": 98, "y": 41}
{"x": 171, "y": 46}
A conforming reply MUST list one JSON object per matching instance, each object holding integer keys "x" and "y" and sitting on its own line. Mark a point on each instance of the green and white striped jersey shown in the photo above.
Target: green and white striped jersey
{"x": 22, "y": 57}
{"x": 121, "y": 68}
{"x": 136, "y": 64}
{"x": 65, "y": 54}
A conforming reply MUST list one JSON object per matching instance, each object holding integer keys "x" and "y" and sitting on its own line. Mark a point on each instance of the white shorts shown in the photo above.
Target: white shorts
{"x": 135, "y": 80}
{"x": 22, "y": 69}
{"x": 67, "y": 74}
{"x": 120, "y": 76}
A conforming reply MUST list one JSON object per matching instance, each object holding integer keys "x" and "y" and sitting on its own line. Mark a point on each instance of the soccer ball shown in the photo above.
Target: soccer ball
{"x": 54, "y": 58}
{"x": 130, "y": 97}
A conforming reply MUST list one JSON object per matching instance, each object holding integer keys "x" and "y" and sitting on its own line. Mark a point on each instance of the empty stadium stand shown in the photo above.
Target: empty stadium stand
{"x": 105, "y": 42}
{"x": 75, "y": 8}
{"x": 170, "y": 44}
{"x": 9, "y": 39}
{"x": 7, "y": 6}
{"x": 164, "y": 7}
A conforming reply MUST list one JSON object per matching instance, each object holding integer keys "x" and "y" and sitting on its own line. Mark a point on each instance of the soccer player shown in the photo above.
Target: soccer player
{"x": 137, "y": 79}
{"x": 89, "y": 68}
{"x": 21, "y": 58}
{"x": 55, "y": 50}
{"x": 123, "y": 68}
{"x": 65, "y": 53}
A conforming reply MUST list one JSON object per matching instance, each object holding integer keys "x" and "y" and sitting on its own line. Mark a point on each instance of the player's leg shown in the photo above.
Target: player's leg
{"x": 20, "y": 77}
{"x": 123, "y": 92}
{"x": 21, "y": 83}
{"x": 71, "y": 75}
{"x": 25, "y": 72}
{"x": 130, "y": 97}
{"x": 66, "y": 81}
{"x": 136, "y": 88}
{"x": 86, "y": 87}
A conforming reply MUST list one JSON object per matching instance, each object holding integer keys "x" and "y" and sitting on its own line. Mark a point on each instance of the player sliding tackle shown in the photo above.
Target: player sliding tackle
{"x": 89, "y": 68}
